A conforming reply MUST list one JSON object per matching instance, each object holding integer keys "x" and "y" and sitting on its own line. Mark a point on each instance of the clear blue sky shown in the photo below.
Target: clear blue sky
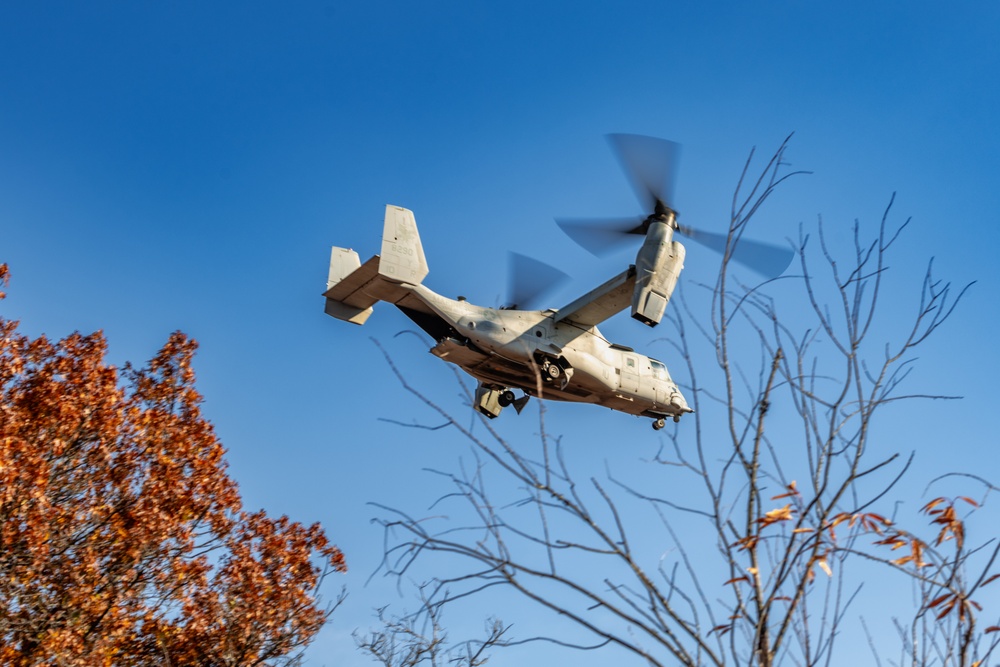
{"x": 183, "y": 166}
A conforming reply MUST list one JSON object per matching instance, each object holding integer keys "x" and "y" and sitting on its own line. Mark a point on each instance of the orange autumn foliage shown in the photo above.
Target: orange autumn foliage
{"x": 122, "y": 538}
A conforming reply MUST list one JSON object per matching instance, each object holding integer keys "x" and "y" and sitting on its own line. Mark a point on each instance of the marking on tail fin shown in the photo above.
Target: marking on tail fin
{"x": 402, "y": 253}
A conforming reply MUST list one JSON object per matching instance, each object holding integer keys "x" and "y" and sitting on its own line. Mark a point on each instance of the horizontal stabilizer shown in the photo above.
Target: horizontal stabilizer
{"x": 349, "y": 288}
{"x": 346, "y": 298}
{"x": 353, "y": 288}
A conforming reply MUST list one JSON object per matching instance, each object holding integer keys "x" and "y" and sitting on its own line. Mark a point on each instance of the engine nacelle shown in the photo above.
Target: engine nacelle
{"x": 657, "y": 266}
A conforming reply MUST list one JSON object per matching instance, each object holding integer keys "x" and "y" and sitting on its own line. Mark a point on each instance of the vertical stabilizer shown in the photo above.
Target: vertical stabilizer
{"x": 344, "y": 298}
{"x": 343, "y": 262}
{"x": 402, "y": 258}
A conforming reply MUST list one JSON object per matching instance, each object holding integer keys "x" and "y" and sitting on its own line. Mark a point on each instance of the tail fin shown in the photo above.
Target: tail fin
{"x": 402, "y": 254}
{"x": 344, "y": 298}
{"x": 353, "y": 288}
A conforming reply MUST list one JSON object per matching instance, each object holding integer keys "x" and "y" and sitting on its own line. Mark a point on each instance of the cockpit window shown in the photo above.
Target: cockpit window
{"x": 659, "y": 370}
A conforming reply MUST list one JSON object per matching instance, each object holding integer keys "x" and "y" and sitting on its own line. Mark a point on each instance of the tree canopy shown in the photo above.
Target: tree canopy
{"x": 123, "y": 539}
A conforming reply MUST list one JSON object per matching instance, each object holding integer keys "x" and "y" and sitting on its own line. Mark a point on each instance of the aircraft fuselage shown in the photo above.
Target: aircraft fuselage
{"x": 515, "y": 348}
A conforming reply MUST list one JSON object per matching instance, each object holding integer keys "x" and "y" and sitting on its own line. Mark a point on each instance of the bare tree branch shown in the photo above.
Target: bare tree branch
{"x": 753, "y": 567}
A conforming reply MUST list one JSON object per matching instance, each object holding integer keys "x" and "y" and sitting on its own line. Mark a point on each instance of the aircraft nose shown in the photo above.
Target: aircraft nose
{"x": 678, "y": 403}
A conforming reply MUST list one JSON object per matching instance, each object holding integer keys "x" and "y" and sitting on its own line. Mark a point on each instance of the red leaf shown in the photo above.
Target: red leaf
{"x": 931, "y": 505}
{"x": 938, "y": 600}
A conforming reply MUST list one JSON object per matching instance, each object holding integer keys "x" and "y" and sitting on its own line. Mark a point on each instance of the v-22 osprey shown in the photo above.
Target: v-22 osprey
{"x": 557, "y": 354}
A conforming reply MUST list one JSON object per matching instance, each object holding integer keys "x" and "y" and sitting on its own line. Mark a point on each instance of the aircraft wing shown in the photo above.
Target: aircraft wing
{"x": 600, "y": 303}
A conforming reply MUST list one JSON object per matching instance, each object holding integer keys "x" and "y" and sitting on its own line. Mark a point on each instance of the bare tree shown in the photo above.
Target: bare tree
{"x": 419, "y": 638}
{"x": 791, "y": 484}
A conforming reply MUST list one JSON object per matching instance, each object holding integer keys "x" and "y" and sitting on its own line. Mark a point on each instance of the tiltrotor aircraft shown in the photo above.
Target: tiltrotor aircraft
{"x": 557, "y": 354}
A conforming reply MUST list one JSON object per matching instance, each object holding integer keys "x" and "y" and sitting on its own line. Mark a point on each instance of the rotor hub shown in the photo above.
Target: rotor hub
{"x": 661, "y": 213}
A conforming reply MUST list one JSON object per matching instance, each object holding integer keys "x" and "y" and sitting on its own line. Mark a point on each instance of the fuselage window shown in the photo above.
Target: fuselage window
{"x": 659, "y": 370}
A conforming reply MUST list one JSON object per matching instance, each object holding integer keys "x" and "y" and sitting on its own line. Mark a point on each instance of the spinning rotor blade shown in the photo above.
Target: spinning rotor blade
{"x": 650, "y": 165}
{"x": 602, "y": 236}
{"x": 529, "y": 280}
{"x": 766, "y": 259}
{"x": 606, "y": 236}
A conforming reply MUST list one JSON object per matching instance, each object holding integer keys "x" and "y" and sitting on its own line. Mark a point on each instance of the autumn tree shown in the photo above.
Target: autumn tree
{"x": 734, "y": 542}
{"x": 122, "y": 537}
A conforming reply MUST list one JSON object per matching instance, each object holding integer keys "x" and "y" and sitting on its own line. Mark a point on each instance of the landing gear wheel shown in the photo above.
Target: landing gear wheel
{"x": 658, "y": 424}
{"x": 553, "y": 371}
{"x": 506, "y": 398}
